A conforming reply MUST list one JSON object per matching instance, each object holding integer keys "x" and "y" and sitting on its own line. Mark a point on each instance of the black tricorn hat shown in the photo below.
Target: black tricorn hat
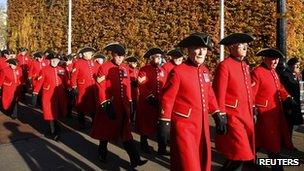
{"x": 292, "y": 61}
{"x": 99, "y": 55}
{"x": 23, "y": 49}
{"x": 51, "y": 55}
{"x": 116, "y": 48}
{"x": 235, "y": 38}
{"x": 153, "y": 51}
{"x": 37, "y": 54}
{"x": 131, "y": 59}
{"x": 196, "y": 39}
{"x": 175, "y": 53}
{"x": 270, "y": 53}
{"x": 68, "y": 57}
{"x": 5, "y": 52}
{"x": 86, "y": 49}
{"x": 12, "y": 61}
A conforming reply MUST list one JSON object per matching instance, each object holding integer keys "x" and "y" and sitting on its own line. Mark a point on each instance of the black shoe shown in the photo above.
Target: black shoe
{"x": 102, "y": 152}
{"x": 138, "y": 163}
{"x": 14, "y": 116}
{"x": 163, "y": 152}
{"x": 145, "y": 149}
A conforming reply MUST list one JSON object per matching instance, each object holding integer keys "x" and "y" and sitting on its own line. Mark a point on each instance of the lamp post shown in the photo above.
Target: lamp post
{"x": 222, "y": 33}
{"x": 70, "y": 28}
{"x": 281, "y": 26}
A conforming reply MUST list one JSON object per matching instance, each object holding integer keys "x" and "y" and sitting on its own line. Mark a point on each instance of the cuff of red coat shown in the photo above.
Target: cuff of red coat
{"x": 35, "y": 93}
{"x": 104, "y": 101}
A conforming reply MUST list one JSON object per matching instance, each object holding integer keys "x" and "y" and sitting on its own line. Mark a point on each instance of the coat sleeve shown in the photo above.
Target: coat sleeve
{"x": 255, "y": 84}
{"x": 212, "y": 102}
{"x": 220, "y": 85}
{"x": 169, "y": 93}
{"x": 39, "y": 82}
{"x": 101, "y": 84}
{"x": 74, "y": 75}
{"x": 30, "y": 72}
{"x": 2, "y": 77}
{"x": 128, "y": 93}
{"x": 142, "y": 84}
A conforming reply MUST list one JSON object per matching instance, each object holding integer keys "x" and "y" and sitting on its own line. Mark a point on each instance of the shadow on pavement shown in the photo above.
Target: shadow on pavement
{"x": 42, "y": 154}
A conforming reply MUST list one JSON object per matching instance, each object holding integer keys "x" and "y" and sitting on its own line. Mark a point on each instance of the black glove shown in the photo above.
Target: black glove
{"x": 290, "y": 105}
{"x": 255, "y": 114}
{"x": 108, "y": 109}
{"x": 34, "y": 99}
{"x": 163, "y": 130}
{"x": 134, "y": 83}
{"x": 74, "y": 93}
{"x": 0, "y": 91}
{"x": 131, "y": 108}
{"x": 151, "y": 100}
{"x": 221, "y": 122}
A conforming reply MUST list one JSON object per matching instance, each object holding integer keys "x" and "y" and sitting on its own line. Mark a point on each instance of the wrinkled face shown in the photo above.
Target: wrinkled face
{"x": 271, "y": 62}
{"x": 23, "y": 53}
{"x": 87, "y": 55}
{"x": 100, "y": 60}
{"x": 133, "y": 64}
{"x": 178, "y": 61}
{"x": 13, "y": 66}
{"x": 197, "y": 54}
{"x": 118, "y": 59}
{"x": 156, "y": 59}
{"x": 239, "y": 50}
{"x": 296, "y": 68}
{"x": 55, "y": 62}
{"x": 68, "y": 62}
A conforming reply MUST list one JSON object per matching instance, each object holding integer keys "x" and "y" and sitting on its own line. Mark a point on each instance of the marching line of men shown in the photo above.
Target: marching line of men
{"x": 170, "y": 101}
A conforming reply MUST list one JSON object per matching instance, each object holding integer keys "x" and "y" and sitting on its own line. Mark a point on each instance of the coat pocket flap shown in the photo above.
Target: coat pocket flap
{"x": 232, "y": 103}
{"x": 182, "y": 110}
{"x": 7, "y": 83}
{"x": 46, "y": 87}
{"x": 81, "y": 81}
{"x": 261, "y": 103}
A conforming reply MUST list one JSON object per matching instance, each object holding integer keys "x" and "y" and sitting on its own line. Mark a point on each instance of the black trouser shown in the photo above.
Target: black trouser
{"x": 12, "y": 111}
{"x": 54, "y": 128}
{"x": 232, "y": 165}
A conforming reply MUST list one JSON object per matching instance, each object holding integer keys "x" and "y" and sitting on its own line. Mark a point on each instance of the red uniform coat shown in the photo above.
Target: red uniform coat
{"x": 35, "y": 68}
{"x": 10, "y": 81}
{"x": 169, "y": 66}
{"x": 271, "y": 127}
{"x": 187, "y": 99}
{"x": 151, "y": 80}
{"x": 83, "y": 78}
{"x": 134, "y": 87}
{"x": 24, "y": 62}
{"x": 232, "y": 87}
{"x": 3, "y": 64}
{"x": 53, "y": 81}
{"x": 114, "y": 85}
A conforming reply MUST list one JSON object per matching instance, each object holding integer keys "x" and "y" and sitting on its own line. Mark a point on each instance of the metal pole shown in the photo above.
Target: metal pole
{"x": 70, "y": 28}
{"x": 281, "y": 26}
{"x": 222, "y": 27}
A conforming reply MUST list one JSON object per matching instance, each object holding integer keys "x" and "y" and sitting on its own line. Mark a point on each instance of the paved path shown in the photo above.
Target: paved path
{"x": 23, "y": 147}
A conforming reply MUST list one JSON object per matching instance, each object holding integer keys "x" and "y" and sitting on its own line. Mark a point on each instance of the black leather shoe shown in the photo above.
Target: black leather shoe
{"x": 138, "y": 163}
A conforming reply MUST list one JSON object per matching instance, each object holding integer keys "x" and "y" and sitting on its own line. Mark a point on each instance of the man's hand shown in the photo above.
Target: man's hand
{"x": 108, "y": 109}
{"x": 221, "y": 122}
{"x": 163, "y": 130}
{"x": 152, "y": 100}
{"x": 34, "y": 99}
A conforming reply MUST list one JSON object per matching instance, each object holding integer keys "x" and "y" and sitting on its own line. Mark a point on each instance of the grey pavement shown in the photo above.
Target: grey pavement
{"x": 24, "y": 147}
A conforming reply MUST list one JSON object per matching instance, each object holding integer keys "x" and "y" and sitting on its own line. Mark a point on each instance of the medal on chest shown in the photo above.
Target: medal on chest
{"x": 60, "y": 72}
{"x": 206, "y": 77}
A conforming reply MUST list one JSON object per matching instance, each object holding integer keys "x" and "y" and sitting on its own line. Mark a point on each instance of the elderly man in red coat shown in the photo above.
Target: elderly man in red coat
{"x": 24, "y": 61}
{"x": 10, "y": 85}
{"x": 186, "y": 101}
{"x": 177, "y": 58}
{"x": 232, "y": 87}
{"x": 151, "y": 79}
{"x": 271, "y": 127}
{"x": 112, "y": 121}
{"x": 53, "y": 80}
{"x": 133, "y": 64}
{"x": 83, "y": 84}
